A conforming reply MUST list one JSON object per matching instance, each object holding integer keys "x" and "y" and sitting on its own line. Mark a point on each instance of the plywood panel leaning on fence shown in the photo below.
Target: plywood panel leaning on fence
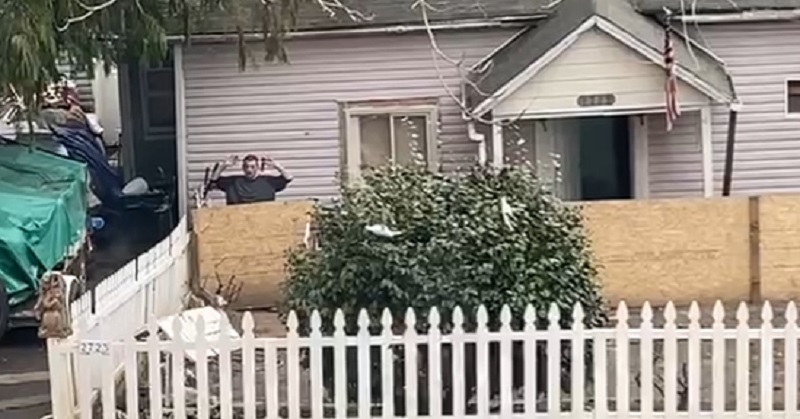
{"x": 668, "y": 363}
{"x": 677, "y": 250}
{"x": 249, "y": 242}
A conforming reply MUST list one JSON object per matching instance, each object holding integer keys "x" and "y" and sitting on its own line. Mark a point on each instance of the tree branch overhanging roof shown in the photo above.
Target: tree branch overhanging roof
{"x": 492, "y": 78}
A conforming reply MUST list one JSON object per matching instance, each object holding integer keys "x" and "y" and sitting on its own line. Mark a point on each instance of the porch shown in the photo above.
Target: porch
{"x": 583, "y": 97}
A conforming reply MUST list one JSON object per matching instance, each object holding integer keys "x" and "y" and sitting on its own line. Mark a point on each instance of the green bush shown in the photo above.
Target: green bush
{"x": 455, "y": 247}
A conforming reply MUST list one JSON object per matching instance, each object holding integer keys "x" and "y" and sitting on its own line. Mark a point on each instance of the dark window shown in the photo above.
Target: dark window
{"x": 161, "y": 111}
{"x": 793, "y": 96}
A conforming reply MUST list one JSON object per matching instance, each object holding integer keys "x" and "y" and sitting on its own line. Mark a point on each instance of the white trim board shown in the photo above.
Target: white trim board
{"x": 787, "y": 114}
{"x": 707, "y": 150}
{"x": 615, "y": 32}
{"x": 352, "y": 139}
{"x": 180, "y": 131}
{"x": 602, "y": 111}
{"x": 520, "y": 79}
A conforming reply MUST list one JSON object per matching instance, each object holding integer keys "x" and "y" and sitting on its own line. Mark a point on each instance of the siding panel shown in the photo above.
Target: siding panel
{"x": 595, "y": 64}
{"x": 291, "y": 111}
{"x": 675, "y": 164}
{"x": 760, "y": 57}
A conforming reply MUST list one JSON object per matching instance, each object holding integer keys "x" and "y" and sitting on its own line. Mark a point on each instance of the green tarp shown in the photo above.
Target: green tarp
{"x": 42, "y": 215}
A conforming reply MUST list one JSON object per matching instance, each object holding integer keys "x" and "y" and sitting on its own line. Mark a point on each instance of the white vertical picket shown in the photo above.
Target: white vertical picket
{"x": 364, "y": 367}
{"x": 84, "y": 370}
{"x": 458, "y": 364}
{"x": 600, "y": 350}
{"x": 410, "y": 353}
{"x": 179, "y": 370}
{"x": 506, "y": 365}
{"x": 316, "y": 365}
{"x": 154, "y": 368}
{"x": 387, "y": 365}
{"x": 553, "y": 361}
{"x": 248, "y": 366}
{"x": 767, "y": 361}
{"x": 577, "y": 372}
{"x": 718, "y": 361}
{"x": 224, "y": 345}
{"x": 646, "y": 361}
{"x": 530, "y": 361}
{"x": 131, "y": 368}
{"x": 292, "y": 366}
{"x": 271, "y": 379}
{"x": 670, "y": 362}
{"x": 108, "y": 391}
{"x": 742, "y": 362}
{"x": 434, "y": 363}
{"x": 201, "y": 351}
{"x": 622, "y": 345}
{"x": 694, "y": 361}
{"x": 482, "y": 362}
{"x": 790, "y": 361}
{"x": 340, "y": 365}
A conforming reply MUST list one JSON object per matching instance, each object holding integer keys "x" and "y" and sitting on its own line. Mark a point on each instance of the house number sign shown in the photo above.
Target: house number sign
{"x": 596, "y": 100}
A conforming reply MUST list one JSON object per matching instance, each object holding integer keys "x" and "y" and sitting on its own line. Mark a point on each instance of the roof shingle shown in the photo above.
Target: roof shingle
{"x": 398, "y": 12}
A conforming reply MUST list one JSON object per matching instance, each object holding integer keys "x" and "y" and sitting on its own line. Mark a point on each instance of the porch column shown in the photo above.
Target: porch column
{"x": 707, "y": 149}
{"x": 497, "y": 144}
{"x": 641, "y": 155}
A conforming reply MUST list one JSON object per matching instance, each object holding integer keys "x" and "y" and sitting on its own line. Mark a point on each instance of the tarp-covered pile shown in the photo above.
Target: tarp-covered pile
{"x": 42, "y": 215}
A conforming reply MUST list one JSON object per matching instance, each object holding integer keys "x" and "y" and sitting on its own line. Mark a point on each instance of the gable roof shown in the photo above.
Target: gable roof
{"x": 498, "y": 74}
{"x": 401, "y": 12}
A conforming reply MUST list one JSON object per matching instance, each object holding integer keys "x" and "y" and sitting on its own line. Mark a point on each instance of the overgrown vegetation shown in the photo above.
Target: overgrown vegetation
{"x": 490, "y": 236}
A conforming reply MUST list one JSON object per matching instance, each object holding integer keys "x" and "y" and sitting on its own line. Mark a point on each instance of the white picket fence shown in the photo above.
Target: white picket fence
{"x": 152, "y": 285}
{"x": 649, "y": 364}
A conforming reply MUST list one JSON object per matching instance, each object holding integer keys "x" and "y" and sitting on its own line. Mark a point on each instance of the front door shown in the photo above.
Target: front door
{"x": 586, "y": 158}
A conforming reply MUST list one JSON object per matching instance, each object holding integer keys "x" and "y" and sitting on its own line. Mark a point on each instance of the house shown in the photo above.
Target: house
{"x": 500, "y": 81}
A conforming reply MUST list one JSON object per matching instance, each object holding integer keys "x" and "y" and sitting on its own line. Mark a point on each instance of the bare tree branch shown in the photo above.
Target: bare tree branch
{"x": 90, "y": 11}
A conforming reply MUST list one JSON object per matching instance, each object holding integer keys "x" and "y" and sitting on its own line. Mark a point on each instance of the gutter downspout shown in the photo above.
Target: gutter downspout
{"x": 476, "y": 136}
{"x": 727, "y": 174}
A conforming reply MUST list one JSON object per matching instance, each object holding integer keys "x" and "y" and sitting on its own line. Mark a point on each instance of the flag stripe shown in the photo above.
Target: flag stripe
{"x": 673, "y": 110}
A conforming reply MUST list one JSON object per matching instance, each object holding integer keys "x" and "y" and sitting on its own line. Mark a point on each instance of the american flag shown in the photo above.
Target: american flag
{"x": 671, "y": 86}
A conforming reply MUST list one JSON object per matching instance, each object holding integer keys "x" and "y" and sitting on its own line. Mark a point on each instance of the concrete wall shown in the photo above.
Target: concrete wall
{"x": 676, "y": 250}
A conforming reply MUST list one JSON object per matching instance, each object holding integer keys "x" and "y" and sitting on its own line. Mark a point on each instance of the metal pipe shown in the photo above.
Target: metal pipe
{"x": 727, "y": 175}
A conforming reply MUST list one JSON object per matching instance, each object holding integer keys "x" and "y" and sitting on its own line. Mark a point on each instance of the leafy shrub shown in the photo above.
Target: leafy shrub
{"x": 455, "y": 247}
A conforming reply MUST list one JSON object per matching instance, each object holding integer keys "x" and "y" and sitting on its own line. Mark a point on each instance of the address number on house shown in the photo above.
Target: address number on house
{"x": 596, "y": 100}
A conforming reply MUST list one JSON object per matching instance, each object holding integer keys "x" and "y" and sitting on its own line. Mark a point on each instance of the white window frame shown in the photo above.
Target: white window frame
{"x": 353, "y": 131}
{"x": 790, "y": 115}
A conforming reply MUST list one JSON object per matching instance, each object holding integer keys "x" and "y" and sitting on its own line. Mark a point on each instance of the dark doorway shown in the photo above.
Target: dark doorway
{"x": 605, "y": 158}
